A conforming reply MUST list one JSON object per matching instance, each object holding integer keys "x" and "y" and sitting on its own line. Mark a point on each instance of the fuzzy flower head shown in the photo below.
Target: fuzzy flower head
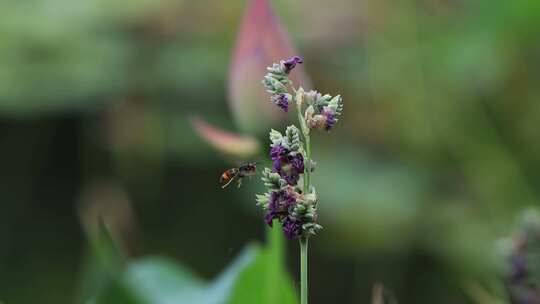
{"x": 322, "y": 111}
{"x": 277, "y": 80}
{"x": 287, "y": 155}
{"x": 281, "y": 100}
{"x": 284, "y": 201}
{"x": 290, "y": 198}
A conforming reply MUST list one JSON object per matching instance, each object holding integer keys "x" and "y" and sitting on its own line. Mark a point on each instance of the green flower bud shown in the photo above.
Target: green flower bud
{"x": 292, "y": 139}
{"x": 272, "y": 180}
{"x": 311, "y": 228}
{"x": 336, "y": 105}
{"x": 263, "y": 200}
{"x": 300, "y": 209}
{"x": 276, "y": 138}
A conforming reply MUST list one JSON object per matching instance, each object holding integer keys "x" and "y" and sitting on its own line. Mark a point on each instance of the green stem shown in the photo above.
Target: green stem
{"x": 305, "y": 133}
{"x": 304, "y": 270}
{"x": 307, "y": 186}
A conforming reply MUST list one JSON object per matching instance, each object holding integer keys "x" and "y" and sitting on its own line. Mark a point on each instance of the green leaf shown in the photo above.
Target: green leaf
{"x": 159, "y": 280}
{"x": 105, "y": 249}
{"x": 256, "y": 276}
{"x": 104, "y": 263}
{"x": 265, "y": 280}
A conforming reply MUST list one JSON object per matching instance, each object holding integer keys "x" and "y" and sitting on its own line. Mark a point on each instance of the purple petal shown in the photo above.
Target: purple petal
{"x": 298, "y": 163}
{"x": 281, "y": 100}
{"x": 291, "y": 63}
{"x": 291, "y": 228}
{"x": 273, "y": 205}
{"x": 277, "y": 152}
{"x": 269, "y": 218}
{"x": 330, "y": 119}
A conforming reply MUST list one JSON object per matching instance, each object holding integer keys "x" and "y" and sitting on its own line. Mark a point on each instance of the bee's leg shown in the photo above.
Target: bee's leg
{"x": 239, "y": 182}
{"x": 230, "y": 181}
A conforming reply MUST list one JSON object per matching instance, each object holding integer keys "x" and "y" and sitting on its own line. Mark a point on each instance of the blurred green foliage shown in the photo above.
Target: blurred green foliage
{"x": 436, "y": 152}
{"x": 256, "y": 276}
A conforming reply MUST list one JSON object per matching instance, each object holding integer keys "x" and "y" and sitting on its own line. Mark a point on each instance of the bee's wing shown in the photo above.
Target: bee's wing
{"x": 230, "y": 181}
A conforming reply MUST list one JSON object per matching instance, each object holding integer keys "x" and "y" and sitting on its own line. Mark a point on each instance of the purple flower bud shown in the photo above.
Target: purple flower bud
{"x": 330, "y": 119}
{"x": 273, "y": 208}
{"x": 278, "y": 152}
{"x": 290, "y": 63}
{"x": 273, "y": 204}
{"x": 289, "y": 167}
{"x": 291, "y": 228}
{"x": 298, "y": 163}
{"x": 295, "y": 167}
{"x": 281, "y": 100}
{"x": 269, "y": 218}
{"x": 276, "y": 167}
{"x": 292, "y": 179}
{"x": 279, "y": 206}
{"x": 288, "y": 201}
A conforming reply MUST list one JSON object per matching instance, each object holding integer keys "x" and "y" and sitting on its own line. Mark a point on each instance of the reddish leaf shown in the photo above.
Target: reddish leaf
{"x": 227, "y": 142}
{"x": 261, "y": 41}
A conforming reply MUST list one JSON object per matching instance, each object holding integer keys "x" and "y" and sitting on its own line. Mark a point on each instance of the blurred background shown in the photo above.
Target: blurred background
{"x": 435, "y": 155}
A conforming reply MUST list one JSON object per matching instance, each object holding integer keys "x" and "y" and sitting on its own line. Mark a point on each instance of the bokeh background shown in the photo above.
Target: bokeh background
{"x": 436, "y": 154}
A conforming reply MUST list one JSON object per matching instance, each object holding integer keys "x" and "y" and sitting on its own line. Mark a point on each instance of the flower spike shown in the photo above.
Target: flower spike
{"x": 290, "y": 197}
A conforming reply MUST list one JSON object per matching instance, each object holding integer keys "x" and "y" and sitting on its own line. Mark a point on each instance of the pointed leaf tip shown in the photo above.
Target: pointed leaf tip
{"x": 261, "y": 41}
{"x": 224, "y": 141}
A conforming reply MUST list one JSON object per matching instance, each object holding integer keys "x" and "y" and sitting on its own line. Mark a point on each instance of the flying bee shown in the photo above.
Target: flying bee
{"x": 244, "y": 170}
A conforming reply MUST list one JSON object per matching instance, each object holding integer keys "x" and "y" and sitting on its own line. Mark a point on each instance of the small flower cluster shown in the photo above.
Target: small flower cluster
{"x": 276, "y": 81}
{"x": 322, "y": 111}
{"x": 285, "y": 200}
{"x": 288, "y": 160}
{"x": 523, "y": 276}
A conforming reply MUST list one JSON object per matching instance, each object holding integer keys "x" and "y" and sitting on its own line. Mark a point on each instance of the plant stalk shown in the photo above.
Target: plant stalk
{"x": 304, "y": 270}
{"x": 307, "y": 165}
{"x": 307, "y": 186}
